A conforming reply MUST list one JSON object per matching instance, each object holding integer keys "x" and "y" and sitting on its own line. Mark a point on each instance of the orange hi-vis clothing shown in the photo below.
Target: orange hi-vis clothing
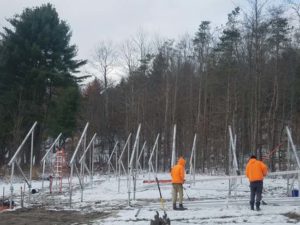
{"x": 178, "y": 172}
{"x": 256, "y": 170}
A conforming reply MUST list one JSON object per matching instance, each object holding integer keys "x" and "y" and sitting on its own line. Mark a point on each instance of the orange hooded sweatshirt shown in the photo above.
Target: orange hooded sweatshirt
{"x": 256, "y": 170}
{"x": 178, "y": 172}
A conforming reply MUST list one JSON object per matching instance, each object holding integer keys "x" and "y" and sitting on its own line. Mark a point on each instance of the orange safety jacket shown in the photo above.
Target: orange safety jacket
{"x": 177, "y": 172}
{"x": 256, "y": 170}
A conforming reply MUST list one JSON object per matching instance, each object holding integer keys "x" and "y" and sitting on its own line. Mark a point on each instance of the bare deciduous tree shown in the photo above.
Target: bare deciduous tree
{"x": 104, "y": 60}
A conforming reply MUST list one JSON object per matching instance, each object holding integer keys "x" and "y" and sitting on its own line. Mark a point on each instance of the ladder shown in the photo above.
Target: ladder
{"x": 58, "y": 164}
{"x": 58, "y": 167}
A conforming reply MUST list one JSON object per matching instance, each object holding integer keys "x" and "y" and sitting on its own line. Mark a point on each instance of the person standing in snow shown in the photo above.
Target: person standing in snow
{"x": 178, "y": 175}
{"x": 256, "y": 171}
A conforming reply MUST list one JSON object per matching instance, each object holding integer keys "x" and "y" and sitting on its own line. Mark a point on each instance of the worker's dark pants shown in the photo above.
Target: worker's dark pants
{"x": 256, "y": 188}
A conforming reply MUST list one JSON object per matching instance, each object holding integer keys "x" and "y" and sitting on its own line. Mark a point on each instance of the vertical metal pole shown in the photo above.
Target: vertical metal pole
{"x": 229, "y": 153}
{"x": 295, "y": 152}
{"x": 120, "y": 161}
{"x": 116, "y": 162}
{"x": 156, "y": 159}
{"x": 11, "y": 184}
{"x": 193, "y": 159}
{"x": 151, "y": 154}
{"x": 135, "y": 171}
{"x": 298, "y": 183}
{"x": 229, "y": 163}
{"x": 90, "y": 161}
{"x": 70, "y": 184}
{"x": 119, "y": 177}
{"x": 236, "y": 169}
{"x": 137, "y": 154}
{"x": 82, "y": 168}
{"x": 149, "y": 171}
{"x": 92, "y": 164}
{"x": 83, "y": 161}
{"x": 173, "y": 159}
{"x": 142, "y": 153}
{"x": 195, "y": 155}
{"x": 108, "y": 169}
{"x": 22, "y": 199}
{"x": 43, "y": 175}
{"x": 81, "y": 177}
{"x": 144, "y": 158}
{"x": 289, "y": 168}
{"x": 133, "y": 154}
{"x": 31, "y": 161}
{"x": 136, "y": 149}
{"x": 128, "y": 172}
{"x": 134, "y": 183}
{"x": 128, "y": 156}
{"x": 3, "y": 195}
{"x": 109, "y": 163}
{"x": 293, "y": 146}
{"x": 129, "y": 184}
{"x": 233, "y": 149}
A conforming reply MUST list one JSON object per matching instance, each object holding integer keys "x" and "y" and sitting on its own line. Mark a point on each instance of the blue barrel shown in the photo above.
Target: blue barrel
{"x": 295, "y": 193}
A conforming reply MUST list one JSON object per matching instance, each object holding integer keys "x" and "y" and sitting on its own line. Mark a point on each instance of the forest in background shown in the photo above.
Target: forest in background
{"x": 245, "y": 74}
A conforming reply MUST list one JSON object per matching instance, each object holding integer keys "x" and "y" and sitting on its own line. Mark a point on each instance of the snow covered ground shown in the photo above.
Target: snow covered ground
{"x": 207, "y": 202}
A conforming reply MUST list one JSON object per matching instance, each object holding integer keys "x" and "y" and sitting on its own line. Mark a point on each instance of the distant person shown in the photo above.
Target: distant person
{"x": 256, "y": 171}
{"x": 178, "y": 175}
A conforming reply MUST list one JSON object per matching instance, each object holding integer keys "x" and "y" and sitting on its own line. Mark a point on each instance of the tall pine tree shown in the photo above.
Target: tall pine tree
{"x": 37, "y": 63}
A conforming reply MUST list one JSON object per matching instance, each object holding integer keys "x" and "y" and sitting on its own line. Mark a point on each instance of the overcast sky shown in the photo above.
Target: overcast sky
{"x": 94, "y": 20}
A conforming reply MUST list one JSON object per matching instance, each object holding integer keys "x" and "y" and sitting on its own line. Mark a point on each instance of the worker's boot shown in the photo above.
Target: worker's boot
{"x": 252, "y": 205}
{"x": 258, "y": 206}
{"x": 174, "y": 206}
{"x": 181, "y": 207}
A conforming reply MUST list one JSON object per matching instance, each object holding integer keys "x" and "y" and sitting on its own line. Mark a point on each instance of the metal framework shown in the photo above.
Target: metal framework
{"x": 109, "y": 163}
{"x": 139, "y": 166}
{"x": 173, "y": 159}
{"x": 291, "y": 145}
{"x": 73, "y": 162}
{"x": 120, "y": 161}
{"x": 132, "y": 172}
{"x": 233, "y": 164}
{"x": 193, "y": 160}
{"x": 150, "y": 164}
{"x": 43, "y": 161}
{"x": 14, "y": 161}
{"x": 83, "y": 165}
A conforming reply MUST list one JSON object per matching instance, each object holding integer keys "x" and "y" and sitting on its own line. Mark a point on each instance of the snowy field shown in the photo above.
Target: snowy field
{"x": 207, "y": 202}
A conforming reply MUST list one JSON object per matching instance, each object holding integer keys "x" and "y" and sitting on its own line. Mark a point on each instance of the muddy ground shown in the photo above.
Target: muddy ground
{"x": 41, "y": 216}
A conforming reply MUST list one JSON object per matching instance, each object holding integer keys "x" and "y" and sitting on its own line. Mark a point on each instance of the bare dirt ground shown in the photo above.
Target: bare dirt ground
{"x": 41, "y": 216}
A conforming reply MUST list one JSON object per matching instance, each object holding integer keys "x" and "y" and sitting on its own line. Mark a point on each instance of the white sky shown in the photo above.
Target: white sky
{"x": 94, "y": 20}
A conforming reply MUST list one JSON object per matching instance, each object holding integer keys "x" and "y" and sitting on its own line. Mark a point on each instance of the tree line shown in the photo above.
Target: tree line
{"x": 244, "y": 74}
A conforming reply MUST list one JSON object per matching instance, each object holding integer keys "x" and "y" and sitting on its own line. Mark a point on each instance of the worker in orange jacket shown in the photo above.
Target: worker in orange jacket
{"x": 256, "y": 171}
{"x": 178, "y": 175}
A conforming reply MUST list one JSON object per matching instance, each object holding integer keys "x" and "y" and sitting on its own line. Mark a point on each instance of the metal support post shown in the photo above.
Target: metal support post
{"x": 150, "y": 165}
{"x": 14, "y": 160}
{"x": 130, "y": 168}
{"x": 193, "y": 160}
{"x": 120, "y": 162}
{"x": 173, "y": 159}
{"x": 72, "y": 161}
{"x": 45, "y": 156}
